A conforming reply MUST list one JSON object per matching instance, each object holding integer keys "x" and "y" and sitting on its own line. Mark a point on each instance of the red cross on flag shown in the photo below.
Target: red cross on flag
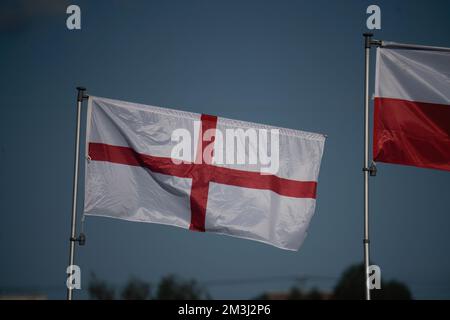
{"x": 200, "y": 172}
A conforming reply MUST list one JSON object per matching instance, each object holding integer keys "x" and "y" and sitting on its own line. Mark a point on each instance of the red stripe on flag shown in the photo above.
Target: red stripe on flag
{"x": 412, "y": 133}
{"x": 200, "y": 182}
{"x": 127, "y": 156}
{"x": 254, "y": 180}
{"x": 221, "y": 175}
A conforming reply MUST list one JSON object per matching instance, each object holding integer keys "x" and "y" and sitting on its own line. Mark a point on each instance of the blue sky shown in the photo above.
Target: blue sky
{"x": 294, "y": 64}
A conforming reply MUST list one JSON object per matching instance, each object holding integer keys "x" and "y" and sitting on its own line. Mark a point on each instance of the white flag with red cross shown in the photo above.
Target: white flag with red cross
{"x": 200, "y": 172}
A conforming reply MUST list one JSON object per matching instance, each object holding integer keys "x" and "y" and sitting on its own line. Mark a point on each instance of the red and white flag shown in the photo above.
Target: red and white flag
{"x": 200, "y": 172}
{"x": 412, "y": 106}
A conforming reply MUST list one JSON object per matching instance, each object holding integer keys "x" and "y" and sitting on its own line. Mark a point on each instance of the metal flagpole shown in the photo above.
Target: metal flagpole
{"x": 368, "y": 42}
{"x": 368, "y": 37}
{"x": 81, "y": 96}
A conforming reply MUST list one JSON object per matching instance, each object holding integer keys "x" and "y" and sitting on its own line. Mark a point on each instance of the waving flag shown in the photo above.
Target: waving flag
{"x": 200, "y": 172}
{"x": 412, "y": 106}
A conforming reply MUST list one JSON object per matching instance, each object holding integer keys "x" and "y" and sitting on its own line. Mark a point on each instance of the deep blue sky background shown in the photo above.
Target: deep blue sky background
{"x": 295, "y": 64}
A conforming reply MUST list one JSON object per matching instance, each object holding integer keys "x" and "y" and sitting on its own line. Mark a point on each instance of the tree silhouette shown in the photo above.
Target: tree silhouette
{"x": 99, "y": 289}
{"x": 351, "y": 286}
{"x": 170, "y": 287}
{"x": 295, "y": 293}
{"x": 136, "y": 289}
{"x": 173, "y": 288}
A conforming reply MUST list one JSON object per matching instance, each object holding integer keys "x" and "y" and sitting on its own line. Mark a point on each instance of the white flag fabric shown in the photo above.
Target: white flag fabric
{"x": 200, "y": 172}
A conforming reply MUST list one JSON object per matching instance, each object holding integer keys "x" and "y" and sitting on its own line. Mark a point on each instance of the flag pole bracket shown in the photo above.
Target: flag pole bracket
{"x": 369, "y": 42}
{"x": 81, "y": 94}
{"x": 372, "y": 169}
{"x": 81, "y": 239}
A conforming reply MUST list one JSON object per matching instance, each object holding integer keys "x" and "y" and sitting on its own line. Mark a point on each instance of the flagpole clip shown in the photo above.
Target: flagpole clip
{"x": 369, "y": 42}
{"x": 376, "y": 43}
{"x": 372, "y": 169}
{"x": 81, "y": 94}
{"x": 81, "y": 239}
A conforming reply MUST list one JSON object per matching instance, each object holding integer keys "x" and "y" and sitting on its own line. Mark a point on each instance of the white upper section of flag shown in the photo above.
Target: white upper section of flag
{"x": 413, "y": 73}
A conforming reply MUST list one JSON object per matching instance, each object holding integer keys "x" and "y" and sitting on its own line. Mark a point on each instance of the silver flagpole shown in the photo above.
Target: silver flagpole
{"x": 81, "y": 238}
{"x": 367, "y": 38}
{"x": 372, "y": 170}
